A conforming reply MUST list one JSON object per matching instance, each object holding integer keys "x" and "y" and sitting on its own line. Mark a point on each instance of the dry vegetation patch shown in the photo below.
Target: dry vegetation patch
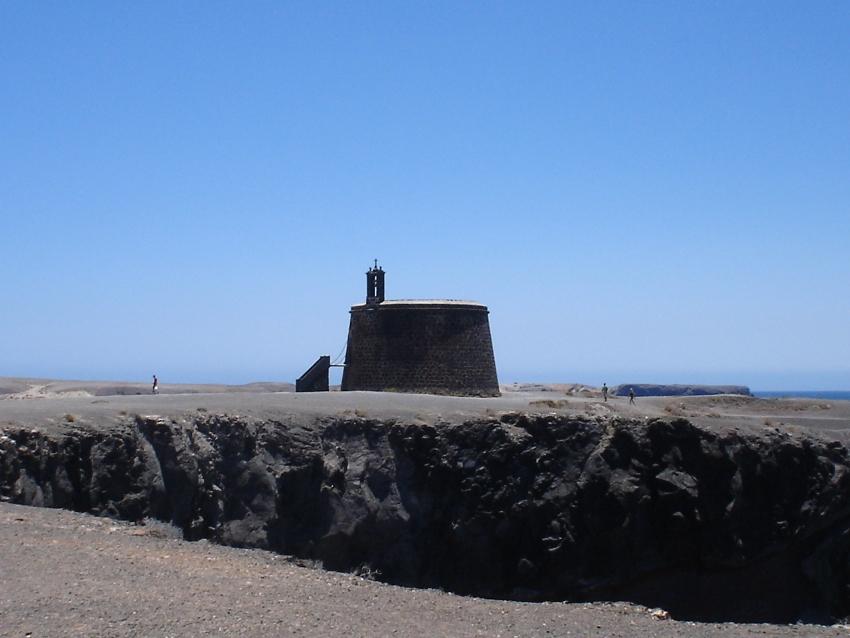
{"x": 558, "y": 404}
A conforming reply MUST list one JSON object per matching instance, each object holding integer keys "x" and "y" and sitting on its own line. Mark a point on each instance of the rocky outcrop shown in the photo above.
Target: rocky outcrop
{"x": 674, "y": 390}
{"x": 707, "y": 525}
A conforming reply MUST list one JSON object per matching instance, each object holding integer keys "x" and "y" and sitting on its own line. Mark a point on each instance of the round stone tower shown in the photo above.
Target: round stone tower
{"x": 439, "y": 346}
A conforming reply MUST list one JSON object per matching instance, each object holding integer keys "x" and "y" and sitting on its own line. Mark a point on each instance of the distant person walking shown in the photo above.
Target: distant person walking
{"x": 631, "y": 395}
{"x": 155, "y": 387}
{"x": 605, "y": 393}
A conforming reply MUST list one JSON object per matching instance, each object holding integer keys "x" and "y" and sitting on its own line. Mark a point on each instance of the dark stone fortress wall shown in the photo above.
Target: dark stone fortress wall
{"x": 435, "y": 347}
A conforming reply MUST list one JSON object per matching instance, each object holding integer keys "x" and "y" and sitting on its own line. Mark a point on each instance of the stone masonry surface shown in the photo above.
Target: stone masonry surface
{"x": 438, "y": 347}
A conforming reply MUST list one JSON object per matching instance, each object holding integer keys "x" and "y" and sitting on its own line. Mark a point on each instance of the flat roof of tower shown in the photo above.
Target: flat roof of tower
{"x": 420, "y": 303}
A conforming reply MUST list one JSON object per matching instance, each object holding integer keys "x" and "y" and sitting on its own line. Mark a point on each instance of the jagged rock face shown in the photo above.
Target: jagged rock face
{"x": 707, "y": 525}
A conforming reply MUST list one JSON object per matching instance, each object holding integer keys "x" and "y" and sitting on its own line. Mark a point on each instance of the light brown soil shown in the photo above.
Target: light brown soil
{"x": 68, "y": 574}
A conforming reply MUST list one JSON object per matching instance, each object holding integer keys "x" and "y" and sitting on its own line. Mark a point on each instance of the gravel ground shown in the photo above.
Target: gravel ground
{"x": 830, "y": 419}
{"x": 69, "y": 574}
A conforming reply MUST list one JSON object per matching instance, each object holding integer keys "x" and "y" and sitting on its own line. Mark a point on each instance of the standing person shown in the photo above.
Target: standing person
{"x": 155, "y": 388}
{"x": 631, "y": 395}
{"x": 605, "y": 392}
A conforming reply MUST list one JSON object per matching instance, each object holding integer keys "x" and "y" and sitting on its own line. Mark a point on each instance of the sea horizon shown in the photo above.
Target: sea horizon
{"x": 834, "y": 395}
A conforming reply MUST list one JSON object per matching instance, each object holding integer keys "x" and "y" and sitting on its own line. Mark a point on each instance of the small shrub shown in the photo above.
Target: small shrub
{"x": 160, "y": 529}
{"x": 549, "y": 403}
{"x": 70, "y": 418}
{"x": 367, "y": 572}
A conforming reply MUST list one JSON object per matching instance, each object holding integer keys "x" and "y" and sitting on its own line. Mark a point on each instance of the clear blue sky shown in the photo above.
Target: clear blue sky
{"x": 639, "y": 191}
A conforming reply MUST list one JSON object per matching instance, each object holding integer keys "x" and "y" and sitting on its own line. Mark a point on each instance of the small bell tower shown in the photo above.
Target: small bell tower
{"x": 375, "y": 285}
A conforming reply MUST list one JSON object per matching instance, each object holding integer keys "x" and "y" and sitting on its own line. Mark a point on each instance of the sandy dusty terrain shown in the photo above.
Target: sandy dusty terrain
{"x": 13, "y": 388}
{"x": 105, "y": 403}
{"x": 68, "y": 574}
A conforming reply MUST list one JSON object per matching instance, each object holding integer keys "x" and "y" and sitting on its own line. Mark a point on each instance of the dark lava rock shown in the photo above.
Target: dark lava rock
{"x": 709, "y": 526}
{"x": 674, "y": 390}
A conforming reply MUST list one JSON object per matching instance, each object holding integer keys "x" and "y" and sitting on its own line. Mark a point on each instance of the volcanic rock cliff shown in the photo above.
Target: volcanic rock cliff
{"x": 709, "y": 525}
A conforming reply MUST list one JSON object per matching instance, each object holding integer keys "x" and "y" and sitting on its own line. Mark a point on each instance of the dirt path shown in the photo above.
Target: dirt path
{"x": 67, "y": 574}
{"x": 43, "y": 391}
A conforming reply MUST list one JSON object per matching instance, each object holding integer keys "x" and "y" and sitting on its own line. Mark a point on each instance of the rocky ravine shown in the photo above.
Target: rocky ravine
{"x": 712, "y": 526}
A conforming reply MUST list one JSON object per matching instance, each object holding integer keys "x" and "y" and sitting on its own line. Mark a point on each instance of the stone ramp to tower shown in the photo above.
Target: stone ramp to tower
{"x": 316, "y": 377}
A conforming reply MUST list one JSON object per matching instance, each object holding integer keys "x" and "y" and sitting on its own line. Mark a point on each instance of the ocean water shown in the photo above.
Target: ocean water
{"x": 829, "y": 395}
